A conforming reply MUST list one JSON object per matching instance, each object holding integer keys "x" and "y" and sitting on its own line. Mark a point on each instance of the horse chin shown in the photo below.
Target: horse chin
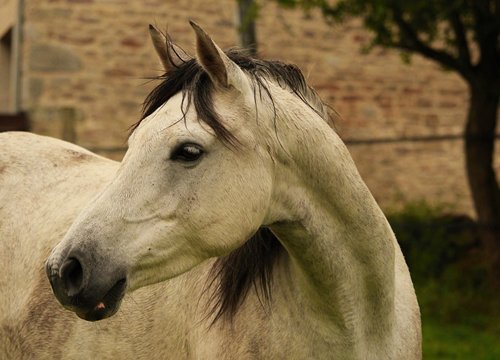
{"x": 105, "y": 308}
{"x": 98, "y": 313}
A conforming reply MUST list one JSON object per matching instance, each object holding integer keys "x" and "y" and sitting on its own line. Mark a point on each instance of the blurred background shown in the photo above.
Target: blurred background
{"x": 416, "y": 85}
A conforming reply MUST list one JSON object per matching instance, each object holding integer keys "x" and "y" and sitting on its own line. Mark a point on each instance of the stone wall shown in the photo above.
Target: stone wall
{"x": 86, "y": 65}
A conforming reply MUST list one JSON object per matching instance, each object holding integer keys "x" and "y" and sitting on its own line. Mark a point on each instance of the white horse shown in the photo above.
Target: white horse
{"x": 237, "y": 222}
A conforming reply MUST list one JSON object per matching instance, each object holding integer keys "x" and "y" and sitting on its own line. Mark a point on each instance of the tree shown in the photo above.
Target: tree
{"x": 462, "y": 36}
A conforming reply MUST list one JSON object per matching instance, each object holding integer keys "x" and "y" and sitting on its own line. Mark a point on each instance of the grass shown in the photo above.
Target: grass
{"x": 460, "y": 310}
{"x": 458, "y": 323}
{"x": 458, "y": 341}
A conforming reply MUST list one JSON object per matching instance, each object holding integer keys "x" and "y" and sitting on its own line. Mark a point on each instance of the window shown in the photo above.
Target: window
{"x": 6, "y": 73}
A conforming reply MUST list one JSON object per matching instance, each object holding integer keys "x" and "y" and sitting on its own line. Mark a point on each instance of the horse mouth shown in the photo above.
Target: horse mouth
{"x": 107, "y": 307}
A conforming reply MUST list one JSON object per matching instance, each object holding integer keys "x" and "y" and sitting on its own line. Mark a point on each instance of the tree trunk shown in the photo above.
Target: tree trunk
{"x": 479, "y": 149}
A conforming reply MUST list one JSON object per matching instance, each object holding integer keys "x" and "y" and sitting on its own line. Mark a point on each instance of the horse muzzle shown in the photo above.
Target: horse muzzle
{"x": 93, "y": 291}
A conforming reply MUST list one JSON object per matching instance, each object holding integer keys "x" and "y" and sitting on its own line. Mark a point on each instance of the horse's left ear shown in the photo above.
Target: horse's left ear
{"x": 221, "y": 69}
{"x": 171, "y": 55}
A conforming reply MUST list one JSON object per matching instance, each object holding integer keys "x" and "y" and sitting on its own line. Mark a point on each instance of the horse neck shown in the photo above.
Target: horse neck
{"x": 340, "y": 244}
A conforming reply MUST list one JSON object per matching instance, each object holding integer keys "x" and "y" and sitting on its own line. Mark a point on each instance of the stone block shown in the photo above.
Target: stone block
{"x": 51, "y": 58}
{"x": 57, "y": 122}
{"x": 35, "y": 89}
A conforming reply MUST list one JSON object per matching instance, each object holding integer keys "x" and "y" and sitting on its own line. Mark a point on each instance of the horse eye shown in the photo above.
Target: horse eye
{"x": 187, "y": 153}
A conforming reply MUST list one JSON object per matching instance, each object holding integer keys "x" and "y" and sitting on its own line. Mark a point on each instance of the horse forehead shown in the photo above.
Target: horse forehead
{"x": 178, "y": 118}
{"x": 168, "y": 121}
{"x": 168, "y": 114}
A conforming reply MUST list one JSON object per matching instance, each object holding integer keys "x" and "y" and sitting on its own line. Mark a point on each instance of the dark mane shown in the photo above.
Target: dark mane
{"x": 250, "y": 265}
{"x": 196, "y": 87}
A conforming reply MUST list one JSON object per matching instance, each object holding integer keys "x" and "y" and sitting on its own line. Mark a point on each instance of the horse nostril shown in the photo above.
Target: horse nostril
{"x": 72, "y": 276}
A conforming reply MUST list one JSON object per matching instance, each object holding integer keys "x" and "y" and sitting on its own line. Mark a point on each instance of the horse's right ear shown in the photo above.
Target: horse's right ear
{"x": 171, "y": 55}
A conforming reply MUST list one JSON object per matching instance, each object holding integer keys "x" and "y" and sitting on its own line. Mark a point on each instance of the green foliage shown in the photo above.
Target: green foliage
{"x": 405, "y": 57}
{"x": 433, "y": 19}
{"x": 430, "y": 240}
{"x": 441, "y": 30}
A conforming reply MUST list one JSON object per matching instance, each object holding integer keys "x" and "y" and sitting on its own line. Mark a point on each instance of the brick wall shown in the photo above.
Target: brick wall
{"x": 86, "y": 63}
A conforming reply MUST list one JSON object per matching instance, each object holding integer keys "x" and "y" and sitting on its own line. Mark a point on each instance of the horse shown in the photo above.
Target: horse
{"x": 236, "y": 227}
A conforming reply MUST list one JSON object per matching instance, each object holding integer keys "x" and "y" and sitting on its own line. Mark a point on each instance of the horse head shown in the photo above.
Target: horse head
{"x": 196, "y": 182}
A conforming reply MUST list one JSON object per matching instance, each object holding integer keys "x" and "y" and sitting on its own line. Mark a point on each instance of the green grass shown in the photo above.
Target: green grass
{"x": 460, "y": 307}
{"x": 459, "y": 341}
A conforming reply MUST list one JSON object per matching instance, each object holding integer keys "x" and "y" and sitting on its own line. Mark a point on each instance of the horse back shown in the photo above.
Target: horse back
{"x": 44, "y": 183}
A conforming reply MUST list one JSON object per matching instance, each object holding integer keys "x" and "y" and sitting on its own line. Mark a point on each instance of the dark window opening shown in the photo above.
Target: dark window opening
{"x": 10, "y": 117}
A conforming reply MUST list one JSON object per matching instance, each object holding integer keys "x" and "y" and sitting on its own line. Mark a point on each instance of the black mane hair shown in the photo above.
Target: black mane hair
{"x": 250, "y": 265}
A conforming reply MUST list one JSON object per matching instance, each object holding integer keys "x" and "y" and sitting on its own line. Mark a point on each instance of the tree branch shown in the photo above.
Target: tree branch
{"x": 410, "y": 41}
